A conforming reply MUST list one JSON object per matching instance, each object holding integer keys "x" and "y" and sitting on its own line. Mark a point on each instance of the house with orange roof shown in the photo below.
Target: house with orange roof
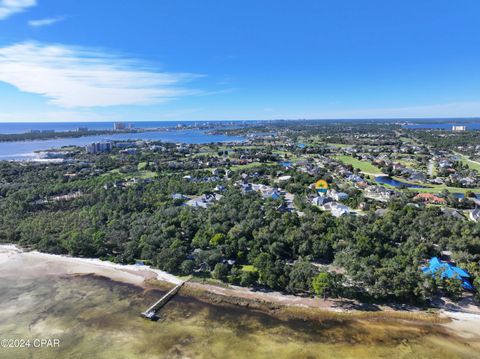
{"x": 429, "y": 198}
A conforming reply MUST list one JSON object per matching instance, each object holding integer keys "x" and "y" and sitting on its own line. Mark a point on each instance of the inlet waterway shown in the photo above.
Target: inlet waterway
{"x": 26, "y": 150}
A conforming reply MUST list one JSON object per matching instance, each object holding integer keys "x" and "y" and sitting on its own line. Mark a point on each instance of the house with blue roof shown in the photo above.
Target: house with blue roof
{"x": 286, "y": 164}
{"x": 449, "y": 271}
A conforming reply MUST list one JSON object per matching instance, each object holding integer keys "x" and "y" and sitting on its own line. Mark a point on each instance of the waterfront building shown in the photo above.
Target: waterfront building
{"x": 98, "y": 147}
{"x": 119, "y": 126}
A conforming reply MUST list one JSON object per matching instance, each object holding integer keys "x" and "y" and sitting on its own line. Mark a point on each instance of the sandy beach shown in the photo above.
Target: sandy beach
{"x": 463, "y": 324}
{"x": 466, "y": 325}
{"x": 51, "y": 264}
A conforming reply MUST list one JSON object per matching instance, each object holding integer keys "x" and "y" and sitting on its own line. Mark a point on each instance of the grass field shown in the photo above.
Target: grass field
{"x": 471, "y": 164}
{"x": 435, "y": 188}
{"x": 439, "y": 188}
{"x": 146, "y": 174}
{"x": 290, "y": 155}
{"x": 405, "y": 163}
{"x": 249, "y": 268}
{"x": 474, "y": 165}
{"x": 224, "y": 148}
{"x": 406, "y": 140}
{"x": 339, "y": 145}
{"x": 363, "y": 166}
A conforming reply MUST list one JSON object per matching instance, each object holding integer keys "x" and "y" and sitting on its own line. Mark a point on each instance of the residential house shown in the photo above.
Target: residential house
{"x": 361, "y": 184}
{"x": 467, "y": 181}
{"x": 378, "y": 193}
{"x": 418, "y": 177}
{"x": 320, "y": 201}
{"x": 203, "y": 201}
{"x": 355, "y": 178}
{"x": 475, "y": 214}
{"x": 337, "y": 196}
{"x": 429, "y": 198}
{"x": 284, "y": 178}
{"x": 179, "y": 196}
{"x": 336, "y": 209}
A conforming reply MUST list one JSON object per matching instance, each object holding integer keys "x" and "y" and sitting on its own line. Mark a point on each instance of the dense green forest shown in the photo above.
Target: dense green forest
{"x": 242, "y": 238}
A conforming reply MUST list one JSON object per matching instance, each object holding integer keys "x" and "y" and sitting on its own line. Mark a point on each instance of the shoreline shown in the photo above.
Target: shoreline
{"x": 283, "y": 306}
{"x": 63, "y": 265}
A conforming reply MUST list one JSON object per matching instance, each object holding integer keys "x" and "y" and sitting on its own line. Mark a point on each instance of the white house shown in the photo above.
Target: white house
{"x": 378, "y": 193}
{"x": 337, "y": 196}
{"x": 475, "y": 214}
{"x": 336, "y": 209}
{"x": 320, "y": 201}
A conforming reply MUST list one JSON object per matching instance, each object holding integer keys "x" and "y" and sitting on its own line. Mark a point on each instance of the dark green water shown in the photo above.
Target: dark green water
{"x": 94, "y": 317}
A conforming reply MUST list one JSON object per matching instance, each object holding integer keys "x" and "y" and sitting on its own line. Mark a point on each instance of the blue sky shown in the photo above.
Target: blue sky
{"x": 92, "y": 60}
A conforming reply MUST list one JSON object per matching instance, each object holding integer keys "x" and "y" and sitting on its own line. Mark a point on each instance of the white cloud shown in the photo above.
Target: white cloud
{"x": 79, "y": 77}
{"x": 10, "y": 7}
{"x": 45, "y": 22}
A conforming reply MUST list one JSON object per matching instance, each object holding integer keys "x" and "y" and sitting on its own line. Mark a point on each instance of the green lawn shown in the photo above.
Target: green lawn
{"x": 249, "y": 268}
{"x": 471, "y": 164}
{"x": 224, "y": 148}
{"x": 339, "y": 145}
{"x": 146, "y": 174}
{"x": 474, "y": 165}
{"x": 406, "y": 163}
{"x": 435, "y": 188}
{"x": 200, "y": 154}
{"x": 406, "y": 139}
{"x": 439, "y": 188}
{"x": 290, "y": 156}
{"x": 363, "y": 166}
{"x": 115, "y": 171}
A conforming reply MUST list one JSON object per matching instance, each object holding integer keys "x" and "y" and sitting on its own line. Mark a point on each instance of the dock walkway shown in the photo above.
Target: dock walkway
{"x": 151, "y": 312}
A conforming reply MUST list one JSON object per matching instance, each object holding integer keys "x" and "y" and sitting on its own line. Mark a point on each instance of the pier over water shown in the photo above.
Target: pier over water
{"x": 151, "y": 312}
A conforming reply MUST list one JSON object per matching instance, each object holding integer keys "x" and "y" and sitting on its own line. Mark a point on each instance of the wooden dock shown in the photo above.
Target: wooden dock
{"x": 151, "y": 312}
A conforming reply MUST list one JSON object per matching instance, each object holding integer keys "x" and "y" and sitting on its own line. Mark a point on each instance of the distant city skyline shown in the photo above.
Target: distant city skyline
{"x": 252, "y": 60}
